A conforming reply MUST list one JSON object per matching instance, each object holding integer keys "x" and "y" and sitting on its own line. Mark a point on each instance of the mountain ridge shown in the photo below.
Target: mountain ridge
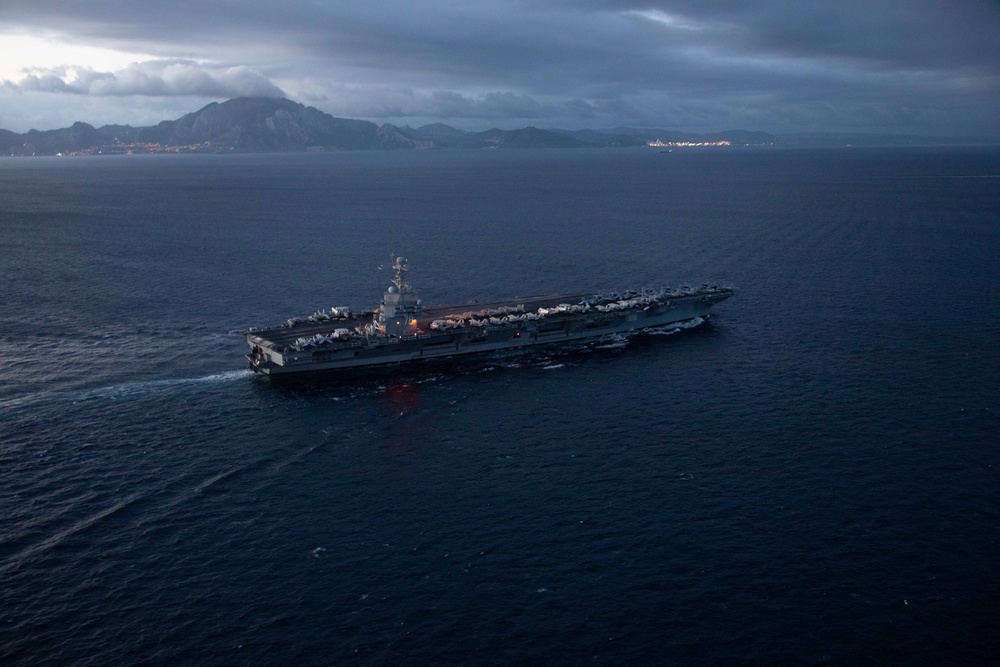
{"x": 258, "y": 125}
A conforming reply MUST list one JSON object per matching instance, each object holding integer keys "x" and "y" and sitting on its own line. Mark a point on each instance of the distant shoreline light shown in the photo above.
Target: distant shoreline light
{"x": 660, "y": 143}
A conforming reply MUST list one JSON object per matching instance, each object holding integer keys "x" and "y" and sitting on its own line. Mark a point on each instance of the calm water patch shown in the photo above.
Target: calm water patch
{"x": 808, "y": 477}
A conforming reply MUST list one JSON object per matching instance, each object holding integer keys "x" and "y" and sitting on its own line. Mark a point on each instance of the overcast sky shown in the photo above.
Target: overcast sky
{"x": 928, "y": 67}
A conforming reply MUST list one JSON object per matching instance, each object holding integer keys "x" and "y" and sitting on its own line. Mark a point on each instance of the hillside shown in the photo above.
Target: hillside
{"x": 266, "y": 125}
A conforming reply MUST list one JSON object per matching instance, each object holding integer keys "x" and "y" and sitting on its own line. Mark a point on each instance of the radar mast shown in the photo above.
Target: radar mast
{"x": 400, "y": 266}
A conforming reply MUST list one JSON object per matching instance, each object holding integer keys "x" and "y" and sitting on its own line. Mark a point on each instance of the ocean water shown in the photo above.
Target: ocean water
{"x": 810, "y": 477}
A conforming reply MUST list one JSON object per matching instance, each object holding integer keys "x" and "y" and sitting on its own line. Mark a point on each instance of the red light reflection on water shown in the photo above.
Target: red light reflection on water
{"x": 400, "y": 398}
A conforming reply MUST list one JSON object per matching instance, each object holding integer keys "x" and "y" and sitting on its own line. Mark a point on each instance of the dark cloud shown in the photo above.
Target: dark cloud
{"x": 780, "y": 65}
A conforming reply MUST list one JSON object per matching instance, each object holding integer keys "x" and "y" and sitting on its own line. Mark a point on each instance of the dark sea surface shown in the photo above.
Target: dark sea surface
{"x": 810, "y": 477}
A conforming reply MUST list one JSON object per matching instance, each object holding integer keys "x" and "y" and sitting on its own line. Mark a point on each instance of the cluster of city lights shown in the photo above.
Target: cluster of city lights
{"x": 660, "y": 143}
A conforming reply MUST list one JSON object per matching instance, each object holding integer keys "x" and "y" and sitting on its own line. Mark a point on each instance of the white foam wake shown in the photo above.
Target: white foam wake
{"x": 671, "y": 329}
{"x": 134, "y": 388}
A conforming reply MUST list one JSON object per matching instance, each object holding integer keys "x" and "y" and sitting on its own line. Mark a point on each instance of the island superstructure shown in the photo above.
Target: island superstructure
{"x": 401, "y": 329}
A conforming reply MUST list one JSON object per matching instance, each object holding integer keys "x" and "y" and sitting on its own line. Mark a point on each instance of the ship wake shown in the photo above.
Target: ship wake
{"x": 128, "y": 389}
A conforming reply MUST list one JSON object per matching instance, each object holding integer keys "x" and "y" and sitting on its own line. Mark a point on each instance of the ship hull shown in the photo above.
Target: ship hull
{"x": 426, "y": 344}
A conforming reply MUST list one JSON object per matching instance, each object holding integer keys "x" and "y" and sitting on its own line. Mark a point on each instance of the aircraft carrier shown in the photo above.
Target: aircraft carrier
{"x": 401, "y": 329}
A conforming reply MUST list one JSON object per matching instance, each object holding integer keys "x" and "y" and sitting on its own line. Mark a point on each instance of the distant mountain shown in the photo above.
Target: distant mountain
{"x": 264, "y": 125}
{"x": 254, "y": 125}
{"x": 120, "y": 132}
{"x": 390, "y": 136}
{"x": 79, "y": 136}
{"x": 445, "y": 136}
{"x": 529, "y": 137}
{"x": 604, "y": 138}
{"x": 8, "y": 138}
{"x": 434, "y": 131}
{"x": 248, "y": 125}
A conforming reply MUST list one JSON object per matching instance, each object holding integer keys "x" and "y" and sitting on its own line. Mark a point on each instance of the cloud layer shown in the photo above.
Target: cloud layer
{"x": 158, "y": 78}
{"x": 919, "y": 66}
